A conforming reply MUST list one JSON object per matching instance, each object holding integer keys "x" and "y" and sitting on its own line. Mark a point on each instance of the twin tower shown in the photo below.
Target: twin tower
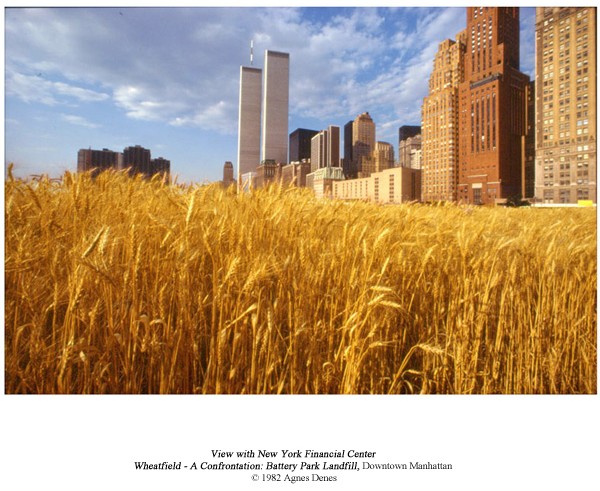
{"x": 267, "y": 136}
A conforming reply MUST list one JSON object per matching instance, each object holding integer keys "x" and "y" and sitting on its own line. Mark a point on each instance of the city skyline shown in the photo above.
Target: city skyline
{"x": 70, "y": 94}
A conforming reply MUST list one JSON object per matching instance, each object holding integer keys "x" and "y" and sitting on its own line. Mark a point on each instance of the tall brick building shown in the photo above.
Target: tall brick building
{"x": 492, "y": 108}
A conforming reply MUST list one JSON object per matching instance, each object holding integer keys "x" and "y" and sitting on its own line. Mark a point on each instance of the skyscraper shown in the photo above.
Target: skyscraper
{"x": 363, "y": 141}
{"x": 439, "y": 146}
{"x": 333, "y": 146}
{"x": 492, "y": 107}
{"x": 383, "y": 156}
{"x": 325, "y": 149}
{"x": 528, "y": 171}
{"x": 160, "y": 165}
{"x": 318, "y": 151}
{"x": 565, "y": 128}
{"x": 349, "y": 168}
{"x": 249, "y": 120}
{"x": 97, "y": 160}
{"x": 228, "y": 178}
{"x": 300, "y": 144}
{"x": 409, "y": 146}
{"x": 409, "y": 152}
{"x": 275, "y": 107}
{"x": 137, "y": 160}
{"x": 407, "y": 131}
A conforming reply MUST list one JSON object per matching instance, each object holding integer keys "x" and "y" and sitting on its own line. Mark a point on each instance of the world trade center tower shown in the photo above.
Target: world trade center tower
{"x": 249, "y": 120}
{"x": 275, "y": 136}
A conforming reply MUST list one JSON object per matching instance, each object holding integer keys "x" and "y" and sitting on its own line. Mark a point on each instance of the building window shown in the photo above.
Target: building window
{"x": 565, "y": 195}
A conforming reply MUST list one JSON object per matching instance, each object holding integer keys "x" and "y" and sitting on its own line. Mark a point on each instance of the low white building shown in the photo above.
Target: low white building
{"x": 395, "y": 185}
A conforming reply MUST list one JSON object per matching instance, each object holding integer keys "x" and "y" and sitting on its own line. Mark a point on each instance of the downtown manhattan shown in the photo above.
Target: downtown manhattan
{"x": 479, "y": 131}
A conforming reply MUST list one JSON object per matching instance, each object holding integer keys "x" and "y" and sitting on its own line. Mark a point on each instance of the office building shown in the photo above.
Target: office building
{"x": 325, "y": 148}
{"x": 408, "y": 131}
{"x": 300, "y": 144}
{"x": 137, "y": 160}
{"x": 492, "y": 108}
{"x": 321, "y": 181}
{"x": 294, "y": 174}
{"x": 333, "y": 146}
{"x": 394, "y": 185}
{"x": 249, "y": 122}
{"x": 383, "y": 156}
{"x": 160, "y": 165}
{"x": 528, "y": 172}
{"x": 98, "y": 160}
{"x": 439, "y": 129}
{"x": 246, "y": 181}
{"x": 380, "y": 158}
{"x": 409, "y": 146}
{"x": 565, "y": 127}
{"x": 228, "y": 175}
{"x": 318, "y": 151}
{"x": 363, "y": 143}
{"x": 409, "y": 152}
{"x": 275, "y": 107}
{"x": 416, "y": 155}
{"x": 266, "y": 173}
{"x": 348, "y": 161}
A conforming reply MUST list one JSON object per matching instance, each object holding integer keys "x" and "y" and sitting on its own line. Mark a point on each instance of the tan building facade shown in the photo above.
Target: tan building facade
{"x": 294, "y": 174}
{"x": 395, "y": 185}
{"x": 565, "y": 129}
{"x": 439, "y": 126}
{"x": 363, "y": 143}
{"x": 383, "y": 155}
{"x": 268, "y": 172}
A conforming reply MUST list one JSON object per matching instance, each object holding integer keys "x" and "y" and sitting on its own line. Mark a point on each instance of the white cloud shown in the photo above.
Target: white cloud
{"x": 29, "y": 89}
{"x": 34, "y": 88}
{"x": 137, "y": 102}
{"x": 78, "y": 121}
{"x": 216, "y": 117}
{"x": 84, "y": 95}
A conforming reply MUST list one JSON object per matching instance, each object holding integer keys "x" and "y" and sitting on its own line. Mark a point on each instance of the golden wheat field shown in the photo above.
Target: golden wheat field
{"x": 121, "y": 285}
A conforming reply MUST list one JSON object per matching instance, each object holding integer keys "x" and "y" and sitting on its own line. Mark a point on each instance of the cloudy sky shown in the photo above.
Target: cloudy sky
{"x": 168, "y": 78}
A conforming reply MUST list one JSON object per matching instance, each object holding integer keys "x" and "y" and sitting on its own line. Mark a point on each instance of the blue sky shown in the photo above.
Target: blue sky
{"x": 168, "y": 78}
